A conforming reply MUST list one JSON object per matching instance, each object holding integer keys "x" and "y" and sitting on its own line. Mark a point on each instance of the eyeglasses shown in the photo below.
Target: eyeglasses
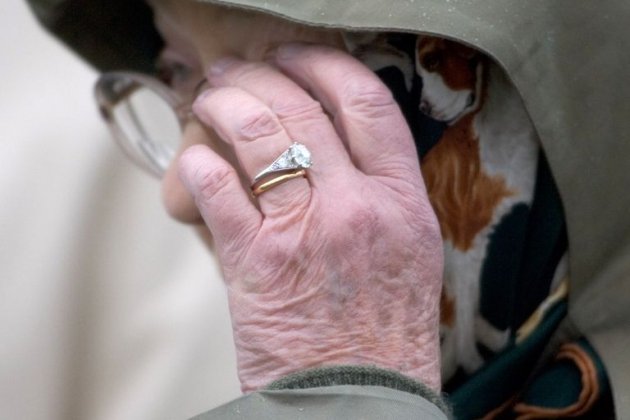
{"x": 145, "y": 116}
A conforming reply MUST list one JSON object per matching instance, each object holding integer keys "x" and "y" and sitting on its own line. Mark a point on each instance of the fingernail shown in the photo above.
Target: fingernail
{"x": 289, "y": 50}
{"x": 221, "y": 65}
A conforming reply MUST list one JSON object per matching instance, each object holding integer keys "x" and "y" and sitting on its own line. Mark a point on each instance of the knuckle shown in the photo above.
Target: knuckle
{"x": 258, "y": 124}
{"x": 299, "y": 109}
{"x": 368, "y": 97}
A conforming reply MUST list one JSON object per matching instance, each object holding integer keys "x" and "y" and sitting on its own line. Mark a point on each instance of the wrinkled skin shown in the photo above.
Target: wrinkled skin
{"x": 341, "y": 267}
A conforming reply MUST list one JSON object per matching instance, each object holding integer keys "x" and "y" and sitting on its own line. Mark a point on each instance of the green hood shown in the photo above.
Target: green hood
{"x": 569, "y": 60}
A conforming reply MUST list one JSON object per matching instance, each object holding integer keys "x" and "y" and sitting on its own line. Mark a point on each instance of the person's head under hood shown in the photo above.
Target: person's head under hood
{"x": 196, "y": 35}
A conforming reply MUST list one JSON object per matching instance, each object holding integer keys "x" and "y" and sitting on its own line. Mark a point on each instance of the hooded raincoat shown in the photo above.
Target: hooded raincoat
{"x": 569, "y": 62}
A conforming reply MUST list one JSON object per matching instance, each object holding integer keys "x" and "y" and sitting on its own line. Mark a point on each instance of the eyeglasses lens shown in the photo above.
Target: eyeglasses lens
{"x": 149, "y": 127}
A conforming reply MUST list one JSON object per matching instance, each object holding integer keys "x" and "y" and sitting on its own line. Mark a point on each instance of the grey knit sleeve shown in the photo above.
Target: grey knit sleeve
{"x": 358, "y": 375}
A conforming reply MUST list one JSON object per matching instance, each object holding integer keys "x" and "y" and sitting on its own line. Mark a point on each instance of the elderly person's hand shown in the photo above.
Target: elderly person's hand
{"x": 342, "y": 267}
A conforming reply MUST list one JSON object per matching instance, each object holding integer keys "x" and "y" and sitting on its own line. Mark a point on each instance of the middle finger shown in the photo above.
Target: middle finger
{"x": 302, "y": 117}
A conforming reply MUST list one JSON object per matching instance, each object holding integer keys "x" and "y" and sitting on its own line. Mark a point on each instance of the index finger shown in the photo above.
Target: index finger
{"x": 364, "y": 110}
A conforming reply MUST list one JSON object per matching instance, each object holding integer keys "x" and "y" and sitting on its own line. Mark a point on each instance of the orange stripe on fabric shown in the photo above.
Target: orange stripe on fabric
{"x": 499, "y": 410}
{"x": 588, "y": 396}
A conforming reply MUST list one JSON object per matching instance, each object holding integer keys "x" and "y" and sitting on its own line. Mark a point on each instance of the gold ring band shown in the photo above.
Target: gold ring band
{"x": 275, "y": 181}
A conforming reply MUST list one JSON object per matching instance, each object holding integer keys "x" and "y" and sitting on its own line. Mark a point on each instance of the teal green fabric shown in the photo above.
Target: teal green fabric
{"x": 502, "y": 378}
{"x": 513, "y": 289}
{"x": 557, "y": 385}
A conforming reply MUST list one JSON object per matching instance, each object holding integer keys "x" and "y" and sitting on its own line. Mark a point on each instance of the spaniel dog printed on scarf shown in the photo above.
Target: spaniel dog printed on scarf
{"x": 482, "y": 166}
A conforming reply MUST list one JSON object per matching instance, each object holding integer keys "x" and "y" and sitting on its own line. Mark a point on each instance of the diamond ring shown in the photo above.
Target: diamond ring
{"x": 296, "y": 157}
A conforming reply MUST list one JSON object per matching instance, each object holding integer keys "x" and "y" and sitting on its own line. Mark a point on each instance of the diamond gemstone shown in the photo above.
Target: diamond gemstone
{"x": 300, "y": 155}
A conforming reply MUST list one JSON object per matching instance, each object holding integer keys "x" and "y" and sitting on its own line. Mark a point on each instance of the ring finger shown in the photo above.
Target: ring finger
{"x": 257, "y": 137}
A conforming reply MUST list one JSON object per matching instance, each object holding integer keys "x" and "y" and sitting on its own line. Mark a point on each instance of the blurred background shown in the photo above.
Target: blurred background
{"x": 108, "y": 309}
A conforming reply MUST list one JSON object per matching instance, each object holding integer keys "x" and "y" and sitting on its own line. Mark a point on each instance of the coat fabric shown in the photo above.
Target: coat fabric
{"x": 568, "y": 62}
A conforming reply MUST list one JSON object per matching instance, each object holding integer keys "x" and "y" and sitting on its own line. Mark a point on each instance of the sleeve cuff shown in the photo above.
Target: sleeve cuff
{"x": 361, "y": 376}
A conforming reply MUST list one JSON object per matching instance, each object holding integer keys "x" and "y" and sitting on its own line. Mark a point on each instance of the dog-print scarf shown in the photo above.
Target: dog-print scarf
{"x": 500, "y": 214}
